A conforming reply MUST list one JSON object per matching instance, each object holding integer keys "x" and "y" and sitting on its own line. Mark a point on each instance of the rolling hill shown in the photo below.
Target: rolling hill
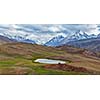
{"x": 18, "y": 58}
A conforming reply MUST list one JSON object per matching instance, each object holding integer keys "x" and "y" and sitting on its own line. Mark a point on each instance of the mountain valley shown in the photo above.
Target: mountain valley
{"x": 21, "y": 45}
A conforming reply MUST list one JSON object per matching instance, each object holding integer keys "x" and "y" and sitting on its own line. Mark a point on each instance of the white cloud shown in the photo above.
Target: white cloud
{"x": 54, "y": 29}
{"x": 89, "y": 28}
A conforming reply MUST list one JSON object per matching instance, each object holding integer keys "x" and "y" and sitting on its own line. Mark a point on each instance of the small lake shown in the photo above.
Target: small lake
{"x": 49, "y": 61}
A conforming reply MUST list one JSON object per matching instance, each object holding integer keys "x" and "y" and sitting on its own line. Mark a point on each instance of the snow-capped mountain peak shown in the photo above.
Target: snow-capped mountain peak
{"x": 98, "y": 35}
{"x": 78, "y": 35}
{"x": 55, "y": 41}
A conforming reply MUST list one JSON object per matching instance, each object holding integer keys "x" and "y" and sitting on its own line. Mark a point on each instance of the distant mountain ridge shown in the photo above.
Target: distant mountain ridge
{"x": 55, "y": 41}
{"x": 15, "y": 39}
{"x": 92, "y": 44}
{"x": 79, "y": 35}
{"x": 5, "y": 40}
{"x": 80, "y": 40}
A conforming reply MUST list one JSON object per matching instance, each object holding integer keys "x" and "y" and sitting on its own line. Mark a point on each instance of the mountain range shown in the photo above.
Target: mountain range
{"x": 90, "y": 44}
{"x": 79, "y": 35}
{"x": 52, "y": 35}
